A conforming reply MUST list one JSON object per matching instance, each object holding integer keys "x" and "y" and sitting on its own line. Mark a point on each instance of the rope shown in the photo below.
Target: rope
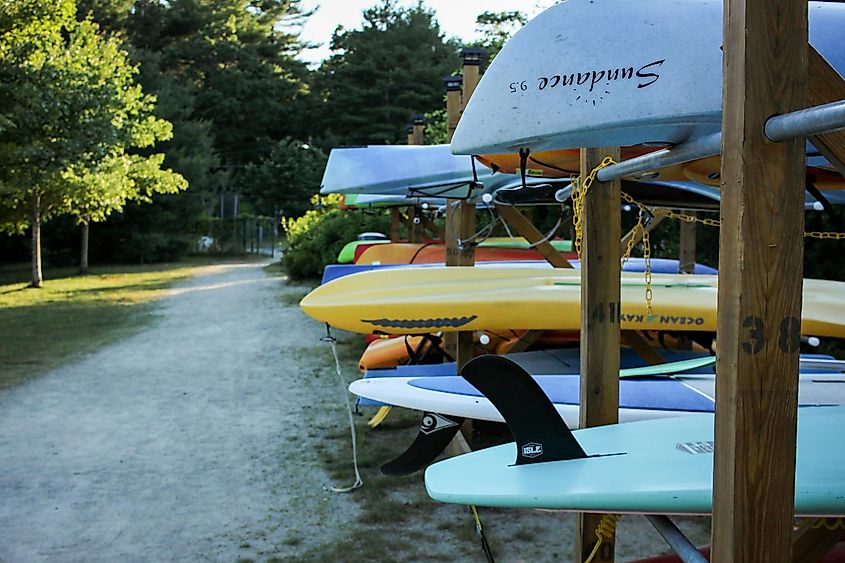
{"x": 605, "y": 531}
{"x": 358, "y": 481}
{"x": 485, "y": 547}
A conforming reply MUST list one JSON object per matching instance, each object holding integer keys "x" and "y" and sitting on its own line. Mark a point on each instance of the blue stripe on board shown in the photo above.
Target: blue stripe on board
{"x": 645, "y": 393}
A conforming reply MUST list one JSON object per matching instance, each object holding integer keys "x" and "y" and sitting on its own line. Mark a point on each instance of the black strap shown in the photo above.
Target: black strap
{"x": 523, "y": 164}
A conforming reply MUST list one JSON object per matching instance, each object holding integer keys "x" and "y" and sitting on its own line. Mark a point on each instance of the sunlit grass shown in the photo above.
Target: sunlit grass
{"x": 43, "y": 328}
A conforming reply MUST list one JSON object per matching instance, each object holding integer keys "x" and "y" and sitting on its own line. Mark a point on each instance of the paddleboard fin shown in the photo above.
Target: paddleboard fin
{"x": 436, "y": 431}
{"x": 540, "y": 434}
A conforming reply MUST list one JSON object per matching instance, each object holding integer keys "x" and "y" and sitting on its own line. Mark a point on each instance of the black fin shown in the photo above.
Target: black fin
{"x": 540, "y": 433}
{"x": 436, "y": 431}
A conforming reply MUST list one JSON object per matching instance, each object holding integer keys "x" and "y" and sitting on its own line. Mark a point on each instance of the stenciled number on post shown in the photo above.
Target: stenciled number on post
{"x": 789, "y": 335}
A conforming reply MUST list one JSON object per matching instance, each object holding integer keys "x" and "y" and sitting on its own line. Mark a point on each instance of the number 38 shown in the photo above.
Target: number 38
{"x": 789, "y": 335}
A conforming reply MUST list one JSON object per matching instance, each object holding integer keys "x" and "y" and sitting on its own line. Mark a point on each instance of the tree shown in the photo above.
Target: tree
{"x": 225, "y": 75}
{"x": 70, "y": 104}
{"x": 116, "y": 180}
{"x": 496, "y": 28}
{"x": 381, "y": 75}
{"x": 287, "y": 180}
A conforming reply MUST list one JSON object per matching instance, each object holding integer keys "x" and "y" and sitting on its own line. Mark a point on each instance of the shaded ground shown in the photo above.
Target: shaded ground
{"x": 211, "y": 435}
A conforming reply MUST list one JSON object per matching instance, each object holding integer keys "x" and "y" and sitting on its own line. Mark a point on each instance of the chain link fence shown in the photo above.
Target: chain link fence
{"x": 244, "y": 235}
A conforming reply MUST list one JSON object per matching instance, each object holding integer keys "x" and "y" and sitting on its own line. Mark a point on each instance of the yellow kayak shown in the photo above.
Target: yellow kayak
{"x": 421, "y": 300}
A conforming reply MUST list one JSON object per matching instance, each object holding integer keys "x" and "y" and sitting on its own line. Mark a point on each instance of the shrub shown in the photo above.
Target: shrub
{"x": 316, "y": 238}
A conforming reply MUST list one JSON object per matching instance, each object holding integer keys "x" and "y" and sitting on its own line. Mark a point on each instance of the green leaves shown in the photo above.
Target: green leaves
{"x": 72, "y": 115}
{"x": 382, "y": 75}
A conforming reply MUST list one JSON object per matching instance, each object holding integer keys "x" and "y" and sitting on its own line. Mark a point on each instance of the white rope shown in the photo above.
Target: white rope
{"x": 358, "y": 481}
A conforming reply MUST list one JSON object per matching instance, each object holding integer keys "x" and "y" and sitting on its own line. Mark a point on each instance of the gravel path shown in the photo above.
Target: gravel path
{"x": 177, "y": 444}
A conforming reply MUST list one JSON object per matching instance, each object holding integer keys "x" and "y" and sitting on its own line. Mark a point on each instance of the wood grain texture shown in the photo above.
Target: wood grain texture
{"x": 686, "y": 250}
{"x": 824, "y": 85}
{"x": 396, "y": 218}
{"x": 460, "y": 224}
{"x": 472, "y": 74}
{"x": 760, "y": 270}
{"x": 526, "y": 229}
{"x": 810, "y": 545}
{"x": 600, "y": 334}
{"x": 453, "y": 112}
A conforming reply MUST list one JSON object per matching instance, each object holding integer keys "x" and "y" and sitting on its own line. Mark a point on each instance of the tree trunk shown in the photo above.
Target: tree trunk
{"x": 37, "y": 278}
{"x": 83, "y": 254}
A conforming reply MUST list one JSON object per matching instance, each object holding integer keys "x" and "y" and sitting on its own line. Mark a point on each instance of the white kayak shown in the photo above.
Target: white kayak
{"x": 590, "y": 73}
{"x": 411, "y": 170}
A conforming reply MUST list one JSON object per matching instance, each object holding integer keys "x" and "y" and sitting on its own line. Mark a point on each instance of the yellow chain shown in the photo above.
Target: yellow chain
{"x": 693, "y": 219}
{"x": 824, "y": 235}
{"x": 580, "y": 186}
{"x": 646, "y": 240}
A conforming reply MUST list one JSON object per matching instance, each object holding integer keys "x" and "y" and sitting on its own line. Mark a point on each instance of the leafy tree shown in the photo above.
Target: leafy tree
{"x": 70, "y": 104}
{"x": 496, "y": 28}
{"x": 287, "y": 179}
{"x": 381, "y": 75}
{"x": 107, "y": 188}
{"x": 225, "y": 75}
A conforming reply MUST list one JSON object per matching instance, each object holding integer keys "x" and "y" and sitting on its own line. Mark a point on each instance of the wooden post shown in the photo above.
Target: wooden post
{"x": 824, "y": 85}
{"x": 686, "y": 252}
{"x": 418, "y": 130}
{"x": 453, "y": 104}
{"x": 413, "y": 231}
{"x": 760, "y": 282}
{"x": 600, "y": 334}
{"x": 409, "y": 129}
{"x": 395, "y": 220}
{"x": 472, "y": 58}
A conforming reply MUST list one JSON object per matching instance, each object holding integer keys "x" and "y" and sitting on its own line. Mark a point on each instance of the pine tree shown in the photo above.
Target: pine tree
{"x": 381, "y": 75}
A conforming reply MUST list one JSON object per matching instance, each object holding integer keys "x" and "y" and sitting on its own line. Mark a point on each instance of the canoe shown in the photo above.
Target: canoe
{"x": 417, "y": 301}
{"x": 593, "y": 73}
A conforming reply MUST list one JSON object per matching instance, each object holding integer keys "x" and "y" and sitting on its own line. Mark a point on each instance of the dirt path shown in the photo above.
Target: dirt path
{"x": 178, "y": 444}
{"x": 207, "y": 437}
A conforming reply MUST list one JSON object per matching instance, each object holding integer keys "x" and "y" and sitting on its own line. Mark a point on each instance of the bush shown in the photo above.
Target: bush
{"x": 316, "y": 238}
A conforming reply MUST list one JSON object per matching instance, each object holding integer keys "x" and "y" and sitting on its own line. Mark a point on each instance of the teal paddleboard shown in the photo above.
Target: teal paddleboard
{"x": 648, "y": 467}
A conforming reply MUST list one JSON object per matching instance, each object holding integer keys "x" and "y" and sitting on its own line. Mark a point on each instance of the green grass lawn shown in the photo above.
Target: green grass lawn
{"x": 44, "y": 328}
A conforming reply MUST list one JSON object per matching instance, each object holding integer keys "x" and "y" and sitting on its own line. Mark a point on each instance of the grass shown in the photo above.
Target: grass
{"x": 43, "y": 328}
{"x": 398, "y": 521}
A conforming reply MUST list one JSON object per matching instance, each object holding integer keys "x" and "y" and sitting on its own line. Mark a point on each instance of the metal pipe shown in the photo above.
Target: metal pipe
{"x": 701, "y": 148}
{"x": 806, "y": 122}
{"x": 676, "y": 539}
{"x": 802, "y": 123}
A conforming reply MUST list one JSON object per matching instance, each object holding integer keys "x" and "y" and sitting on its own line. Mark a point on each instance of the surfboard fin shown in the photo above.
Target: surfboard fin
{"x": 540, "y": 434}
{"x": 436, "y": 431}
